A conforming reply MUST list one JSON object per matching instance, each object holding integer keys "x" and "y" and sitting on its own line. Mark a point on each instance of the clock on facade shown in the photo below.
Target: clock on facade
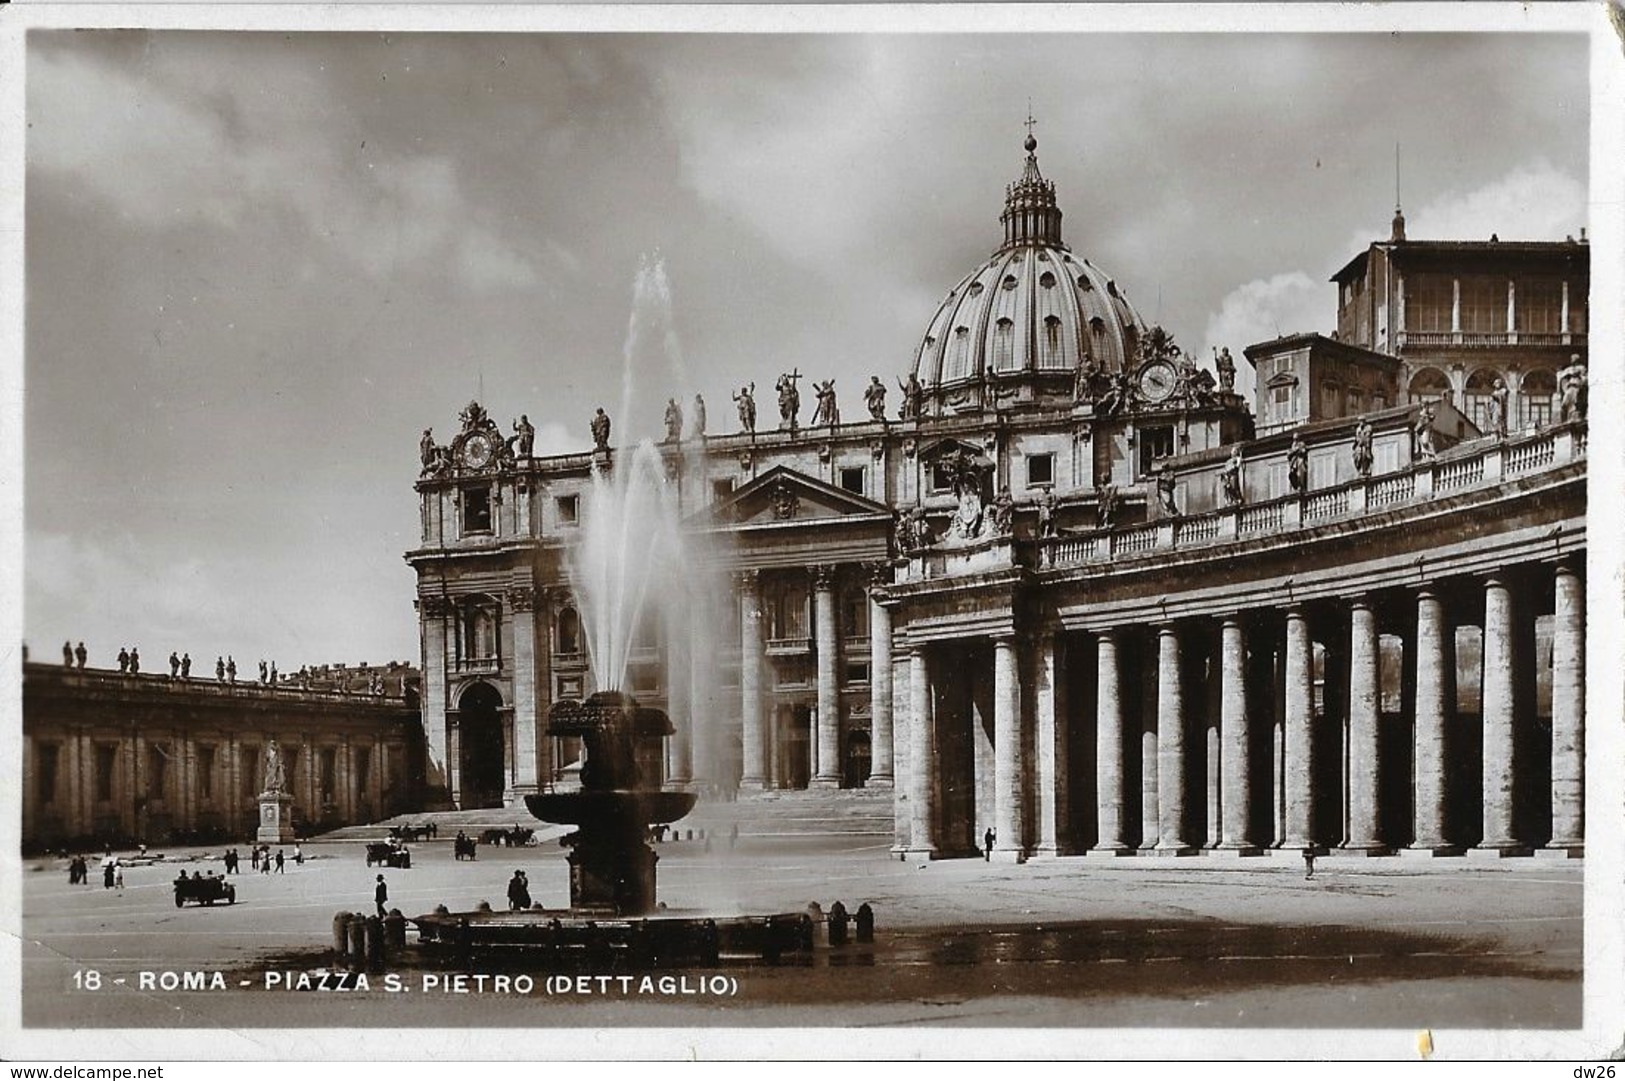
{"x": 477, "y": 450}
{"x": 1157, "y": 380}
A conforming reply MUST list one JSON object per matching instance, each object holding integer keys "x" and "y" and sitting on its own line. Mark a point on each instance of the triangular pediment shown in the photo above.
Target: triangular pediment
{"x": 784, "y": 495}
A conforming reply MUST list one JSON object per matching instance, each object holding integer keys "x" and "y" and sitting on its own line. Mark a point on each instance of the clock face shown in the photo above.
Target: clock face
{"x": 477, "y": 450}
{"x": 1157, "y": 380}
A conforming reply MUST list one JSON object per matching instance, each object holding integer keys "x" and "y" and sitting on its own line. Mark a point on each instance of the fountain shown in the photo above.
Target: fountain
{"x": 612, "y": 867}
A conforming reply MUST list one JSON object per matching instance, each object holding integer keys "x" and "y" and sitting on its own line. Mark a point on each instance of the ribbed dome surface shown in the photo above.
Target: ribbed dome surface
{"x": 1032, "y": 307}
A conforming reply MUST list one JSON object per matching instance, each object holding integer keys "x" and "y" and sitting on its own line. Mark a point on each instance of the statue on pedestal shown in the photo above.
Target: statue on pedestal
{"x": 789, "y": 399}
{"x": 1105, "y": 502}
{"x": 1085, "y": 381}
{"x": 1496, "y": 406}
{"x": 1571, "y": 389}
{"x": 1166, "y": 484}
{"x": 697, "y": 419}
{"x": 1422, "y": 433}
{"x": 600, "y": 430}
{"x": 1297, "y": 464}
{"x": 674, "y": 421}
{"x": 913, "y": 398}
{"x": 1230, "y": 478}
{"x": 874, "y": 396}
{"x": 275, "y": 782}
{"x": 427, "y": 451}
{"x": 526, "y": 439}
{"x": 1003, "y": 519}
{"x": 828, "y": 413}
{"x": 1226, "y": 366}
{"x": 1046, "y": 513}
{"x": 746, "y": 400}
{"x": 1362, "y": 447}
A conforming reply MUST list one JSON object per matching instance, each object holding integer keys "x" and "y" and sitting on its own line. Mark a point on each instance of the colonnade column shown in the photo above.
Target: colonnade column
{"x": 1050, "y": 744}
{"x": 1365, "y": 704}
{"x": 680, "y": 640}
{"x": 1499, "y": 715}
{"x": 1111, "y": 796}
{"x": 1235, "y": 749}
{"x": 1009, "y": 773}
{"x": 1170, "y": 745}
{"x": 753, "y": 741}
{"x": 880, "y": 689}
{"x": 1300, "y": 715}
{"x": 529, "y": 722}
{"x": 829, "y": 702}
{"x": 922, "y": 838}
{"x": 1435, "y": 651}
{"x": 1568, "y": 710}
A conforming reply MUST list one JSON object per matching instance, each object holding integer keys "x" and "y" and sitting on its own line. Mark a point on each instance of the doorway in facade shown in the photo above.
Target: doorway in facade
{"x": 795, "y": 746}
{"x": 480, "y": 758}
{"x": 856, "y": 763}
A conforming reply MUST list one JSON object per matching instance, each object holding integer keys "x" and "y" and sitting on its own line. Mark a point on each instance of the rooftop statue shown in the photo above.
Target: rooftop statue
{"x": 1422, "y": 433}
{"x": 1226, "y": 366}
{"x": 1230, "y": 478}
{"x": 600, "y": 430}
{"x": 828, "y": 412}
{"x": 526, "y": 437}
{"x": 697, "y": 418}
{"x": 913, "y": 398}
{"x": 1362, "y": 447}
{"x": 1297, "y": 464}
{"x": 674, "y": 421}
{"x": 746, "y": 401}
{"x": 874, "y": 396}
{"x": 1572, "y": 384}
{"x": 1046, "y": 513}
{"x": 1105, "y": 502}
{"x": 1166, "y": 484}
{"x": 789, "y": 399}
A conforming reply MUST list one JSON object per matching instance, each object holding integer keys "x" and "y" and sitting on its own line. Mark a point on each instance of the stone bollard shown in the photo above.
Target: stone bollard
{"x": 837, "y": 924}
{"x": 866, "y": 923}
{"x": 805, "y": 932}
{"x": 376, "y": 951}
{"x": 358, "y": 941}
{"x": 711, "y": 943}
{"x": 815, "y": 912}
{"x": 341, "y": 936}
{"x": 395, "y": 930}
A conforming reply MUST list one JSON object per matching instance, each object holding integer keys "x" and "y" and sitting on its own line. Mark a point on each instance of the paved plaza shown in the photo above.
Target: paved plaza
{"x": 1078, "y": 942}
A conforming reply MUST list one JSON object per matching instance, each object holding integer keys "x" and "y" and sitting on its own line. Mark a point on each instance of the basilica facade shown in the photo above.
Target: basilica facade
{"x": 1064, "y": 584}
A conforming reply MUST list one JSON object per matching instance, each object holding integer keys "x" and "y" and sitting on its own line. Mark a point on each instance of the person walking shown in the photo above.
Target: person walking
{"x": 987, "y": 846}
{"x": 265, "y": 859}
{"x": 118, "y": 875}
{"x": 298, "y": 855}
{"x": 279, "y": 863}
{"x": 109, "y": 867}
{"x": 380, "y": 896}
{"x": 1309, "y": 862}
{"x": 516, "y": 891}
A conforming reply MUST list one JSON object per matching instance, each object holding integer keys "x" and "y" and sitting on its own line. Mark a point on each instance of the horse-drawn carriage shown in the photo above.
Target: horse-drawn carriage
{"x": 465, "y": 847}
{"x": 514, "y": 838}
{"x": 205, "y": 891}
{"x": 388, "y": 854}
{"x": 412, "y": 834}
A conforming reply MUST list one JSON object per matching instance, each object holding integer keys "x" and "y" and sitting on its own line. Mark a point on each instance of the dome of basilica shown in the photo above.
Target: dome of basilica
{"x": 1022, "y": 322}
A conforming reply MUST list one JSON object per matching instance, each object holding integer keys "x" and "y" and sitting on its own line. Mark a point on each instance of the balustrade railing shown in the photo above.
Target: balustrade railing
{"x": 1191, "y": 530}
{"x": 1266, "y": 517}
{"x": 1326, "y": 504}
{"x": 1130, "y": 541}
{"x": 1392, "y": 489}
{"x": 1536, "y": 454}
{"x": 1458, "y": 474}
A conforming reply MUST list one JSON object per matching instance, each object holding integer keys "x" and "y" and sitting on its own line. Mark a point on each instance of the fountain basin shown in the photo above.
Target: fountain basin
{"x": 590, "y": 808}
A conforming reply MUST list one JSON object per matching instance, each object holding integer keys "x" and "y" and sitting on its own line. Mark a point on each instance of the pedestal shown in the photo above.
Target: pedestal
{"x": 276, "y": 818}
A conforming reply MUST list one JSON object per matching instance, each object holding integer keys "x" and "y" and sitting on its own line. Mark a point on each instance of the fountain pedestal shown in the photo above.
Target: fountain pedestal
{"x": 276, "y": 819}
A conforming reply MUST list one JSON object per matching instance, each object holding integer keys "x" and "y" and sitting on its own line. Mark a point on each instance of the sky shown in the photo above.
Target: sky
{"x": 258, "y": 265}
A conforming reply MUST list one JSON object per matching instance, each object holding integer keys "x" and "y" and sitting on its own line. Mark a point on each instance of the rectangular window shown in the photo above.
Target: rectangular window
{"x": 1040, "y": 470}
{"x": 942, "y": 477}
{"x": 45, "y": 762}
{"x": 855, "y": 613}
{"x": 1483, "y": 304}
{"x": 645, "y": 679}
{"x": 106, "y": 761}
{"x": 852, "y": 479}
{"x": 1155, "y": 443}
{"x": 476, "y": 510}
{"x": 569, "y": 507}
{"x": 721, "y": 490}
{"x": 205, "y": 772}
{"x": 1539, "y": 306}
{"x": 857, "y": 672}
{"x": 1428, "y": 301}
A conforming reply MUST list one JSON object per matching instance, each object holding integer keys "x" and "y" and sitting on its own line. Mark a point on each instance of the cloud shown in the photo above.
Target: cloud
{"x": 554, "y": 438}
{"x": 1267, "y": 308}
{"x": 1534, "y": 201}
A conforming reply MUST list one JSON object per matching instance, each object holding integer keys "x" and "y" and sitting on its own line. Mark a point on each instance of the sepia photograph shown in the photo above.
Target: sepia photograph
{"x": 894, "y": 528}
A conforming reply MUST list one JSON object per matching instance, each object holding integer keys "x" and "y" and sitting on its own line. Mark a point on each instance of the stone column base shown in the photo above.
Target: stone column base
{"x": 824, "y": 783}
{"x": 1238, "y": 850}
{"x": 752, "y": 784}
{"x": 1363, "y": 850}
{"x": 1008, "y": 855}
{"x": 1507, "y": 850}
{"x": 916, "y": 853}
{"x": 1429, "y": 851}
{"x": 1111, "y": 850}
{"x": 1560, "y": 851}
{"x": 887, "y": 783}
{"x": 1175, "y": 850}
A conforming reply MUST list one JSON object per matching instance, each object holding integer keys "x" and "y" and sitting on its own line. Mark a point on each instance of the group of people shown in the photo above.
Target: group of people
{"x": 518, "y": 892}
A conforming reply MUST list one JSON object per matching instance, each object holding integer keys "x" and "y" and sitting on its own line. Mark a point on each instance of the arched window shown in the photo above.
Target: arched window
{"x": 1535, "y": 397}
{"x": 568, "y": 639}
{"x": 1476, "y": 401}
{"x": 1429, "y": 385}
{"x": 481, "y": 640}
{"x": 1052, "y": 357}
{"x": 958, "y": 354}
{"x": 1047, "y": 280}
{"x": 1004, "y": 345}
{"x": 1009, "y": 281}
{"x": 1085, "y": 284}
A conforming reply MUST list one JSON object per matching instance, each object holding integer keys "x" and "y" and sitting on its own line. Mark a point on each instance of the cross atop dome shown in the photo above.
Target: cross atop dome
{"x": 1030, "y": 214}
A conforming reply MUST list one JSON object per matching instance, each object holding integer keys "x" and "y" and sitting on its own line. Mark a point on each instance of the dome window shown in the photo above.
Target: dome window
{"x": 1004, "y": 345}
{"x": 1009, "y": 281}
{"x": 1085, "y": 284}
{"x": 1111, "y": 287}
{"x": 1047, "y": 280}
{"x": 1097, "y": 324}
{"x": 975, "y": 289}
{"x": 1043, "y": 257}
{"x": 1052, "y": 342}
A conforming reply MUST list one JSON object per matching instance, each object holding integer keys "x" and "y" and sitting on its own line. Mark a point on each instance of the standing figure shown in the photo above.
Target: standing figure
{"x": 1423, "y": 434}
{"x": 379, "y": 895}
{"x": 789, "y": 399}
{"x": 186, "y": 666}
{"x": 874, "y": 396}
{"x": 600, "y": 430}
{"x": 1046, "y": 513}
{"x": 1083, "y": 384}
{"x": 1362, "y": 447}
{"x": 746, "y": 401}
{"x": 1571, "y": 388}
{"x": 274, "y": 780}
{"x": 273, "y": 674}
{"x": 1105, "y": 502}
{"x": 1297, "y": 464}
{"x": 174, "y": 665}
{"x": 67, "y": 654}
{"x": 1166, "y": 484}
{"x": 828, "y": 412}
{"x": 123, "y": 660}
{"x": 135, "y": 660}
{"x": 1230, "y": 477}
{"x": 1226, "y": 366}
{"x": 79, "y": 654}
{"x": 1496, "y": 409}
{"x": 526, "y": 437}
{"x": 913, "y": 398}
{"x": 674, "y": 421}
{"x": 220, "y": 669}
{"x": 987, "y": 845}
{"x": 516, "y": 892}
{"x": 1003, "y": 519}
{"x": 697, "y": 421}
{"x": 426, "y": 450}
{"x": 231, "y": 669}
{"x": 262, "y": 669}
